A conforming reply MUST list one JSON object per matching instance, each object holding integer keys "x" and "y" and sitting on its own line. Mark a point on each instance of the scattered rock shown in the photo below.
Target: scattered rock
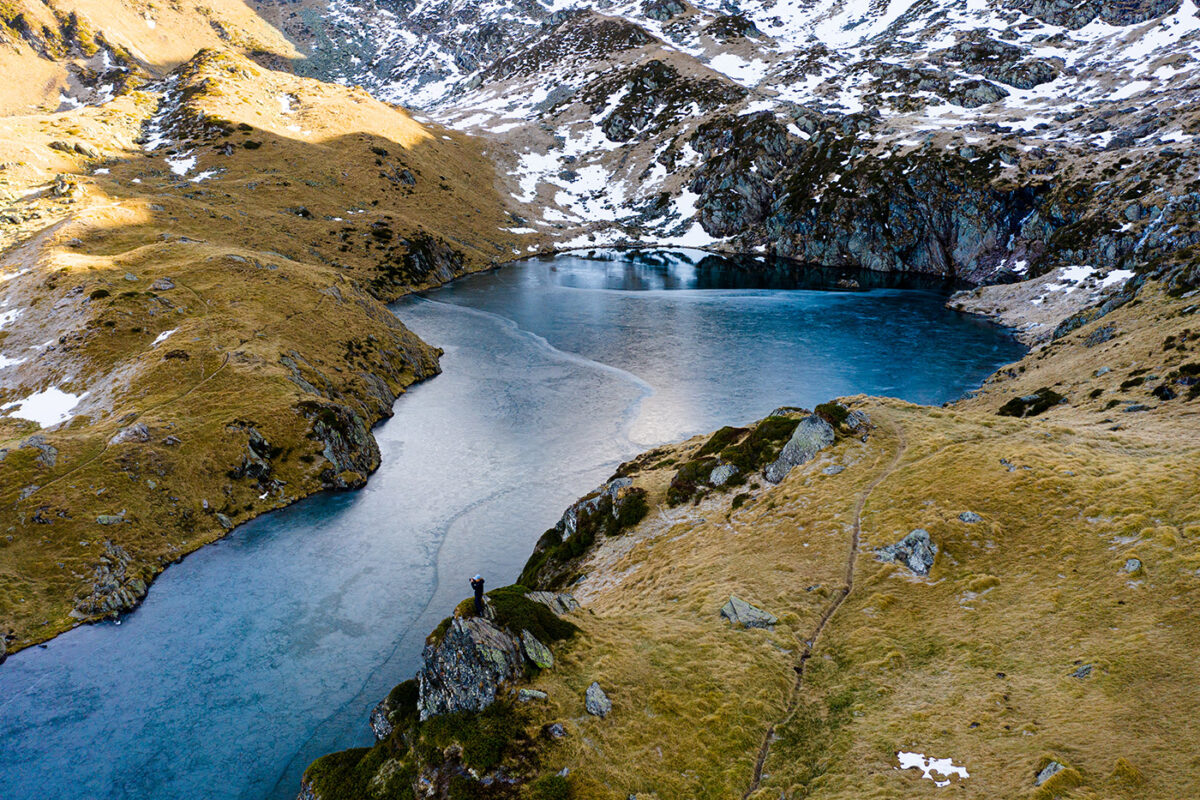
{"x": 163, "y": 285}
{"x": 721, "y": 475}
{"x": 1100, "y": 336}
{"x": 915, "y": 551}
{"x": 554, "y": 730}
{"x": 833, "y": 469}
{"x": 171, "y": 441}
{"x": 538, "y": 654}
{"x": 110, "y": 519}
{"x": 530, "y": 695}
{"x": 596, "y": 701}
{"x": 739, "y": 612}
{"x": 1083, "y": 672}
{"x": 1132, "y": 565}
{"x": 224, "y": 521}
{"x": 1047, "y": 773}
{"x": 970, "y": 517}
{"x": 811, "y": 436}
{"x": 381, "y": 726}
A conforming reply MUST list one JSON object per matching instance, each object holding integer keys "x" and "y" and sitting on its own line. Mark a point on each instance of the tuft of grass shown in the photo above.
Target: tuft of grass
{"x": 550, "y": 787}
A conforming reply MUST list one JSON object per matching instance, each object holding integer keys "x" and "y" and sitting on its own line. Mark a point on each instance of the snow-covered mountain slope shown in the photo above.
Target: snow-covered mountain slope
{"x": 763, "y": 126}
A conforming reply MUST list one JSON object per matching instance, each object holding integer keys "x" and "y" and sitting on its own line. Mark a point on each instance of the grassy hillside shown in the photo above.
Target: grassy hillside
{"x": 974, "y": 663}
{"x": 208, "y": 263}
{"x": 66, "y": 51}
{"x": 1058, "y": 623}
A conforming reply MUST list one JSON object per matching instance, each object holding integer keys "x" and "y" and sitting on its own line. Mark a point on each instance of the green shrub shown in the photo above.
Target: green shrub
{"x": 633, "y": 509}
{"x": 689, "y": 479}
{"x": 518, "y": 613}
{"x": 762, "y": 445}
{"x": 720, "y": 440}
{"x": 833, "y": 413}
{"x": 485, "y": 736}
{"x": 403, "y": 699}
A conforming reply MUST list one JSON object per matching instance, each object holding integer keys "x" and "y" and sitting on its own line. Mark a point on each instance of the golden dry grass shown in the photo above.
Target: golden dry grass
{"x": 49, "y": 59}
{"x": 255, "y": 282}
{"x": 973, "y": 663}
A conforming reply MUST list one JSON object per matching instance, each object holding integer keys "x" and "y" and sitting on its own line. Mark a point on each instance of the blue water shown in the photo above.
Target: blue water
{"x": 267, "y": 649}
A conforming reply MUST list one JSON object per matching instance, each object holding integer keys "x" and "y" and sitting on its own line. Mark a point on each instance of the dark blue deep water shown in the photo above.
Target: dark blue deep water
{"x": 267, "y": 649}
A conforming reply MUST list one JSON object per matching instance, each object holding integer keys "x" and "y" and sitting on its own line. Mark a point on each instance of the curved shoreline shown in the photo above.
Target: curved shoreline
{"x": 379, "y": 419}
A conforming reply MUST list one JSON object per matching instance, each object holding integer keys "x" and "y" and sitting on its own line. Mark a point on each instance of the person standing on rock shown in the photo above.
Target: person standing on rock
{"x": 477, "y": 585}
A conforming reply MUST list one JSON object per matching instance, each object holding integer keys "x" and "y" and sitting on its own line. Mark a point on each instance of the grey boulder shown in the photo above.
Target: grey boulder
{"x": 465, "y": 670}
{"x": 538, "y": 654}
{"x": 739, "y": 612}
{"x": 596, "y": 701}
{"x": 721, "y": 474}
{"x": 915, "y": 551}
{"x": 811, "y": 436}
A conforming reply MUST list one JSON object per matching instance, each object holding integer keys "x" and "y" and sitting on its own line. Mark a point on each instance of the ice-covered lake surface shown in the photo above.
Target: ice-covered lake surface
{"x": 267, "y": 649}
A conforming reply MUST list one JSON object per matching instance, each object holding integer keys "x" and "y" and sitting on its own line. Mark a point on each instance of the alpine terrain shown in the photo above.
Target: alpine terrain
{"x": 205, "y": 209}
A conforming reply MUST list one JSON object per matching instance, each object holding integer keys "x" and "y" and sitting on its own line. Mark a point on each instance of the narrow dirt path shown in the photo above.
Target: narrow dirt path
{"x": 810, "y": 643}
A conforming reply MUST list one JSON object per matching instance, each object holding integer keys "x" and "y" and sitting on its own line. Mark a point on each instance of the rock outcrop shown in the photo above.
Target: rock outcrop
{"x": 811, "y": 436}
{"x": 464, "y": 670}
{"x": 115, "y": 586}
{"x": 915, "y": 551}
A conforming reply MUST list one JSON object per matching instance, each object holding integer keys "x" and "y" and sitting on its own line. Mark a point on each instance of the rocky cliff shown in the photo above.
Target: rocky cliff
{"x": 461, "y": 727}
{"x": 987, "y": 143}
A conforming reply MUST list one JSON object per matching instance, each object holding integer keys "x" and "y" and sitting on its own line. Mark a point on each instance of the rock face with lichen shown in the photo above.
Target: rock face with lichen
{"x": 811, "y": 436}
{"x": 464, "y": 670}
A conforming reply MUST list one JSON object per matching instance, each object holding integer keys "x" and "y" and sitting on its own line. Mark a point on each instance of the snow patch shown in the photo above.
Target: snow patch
{"x": 49, "y": 408}
{"x": 928, "y": 766}
{"x": 162, "y": 337}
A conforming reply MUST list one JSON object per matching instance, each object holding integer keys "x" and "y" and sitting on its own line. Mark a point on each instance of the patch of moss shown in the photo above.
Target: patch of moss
{"x": 485, "y": 737}
{"x": 346, "y": 776}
